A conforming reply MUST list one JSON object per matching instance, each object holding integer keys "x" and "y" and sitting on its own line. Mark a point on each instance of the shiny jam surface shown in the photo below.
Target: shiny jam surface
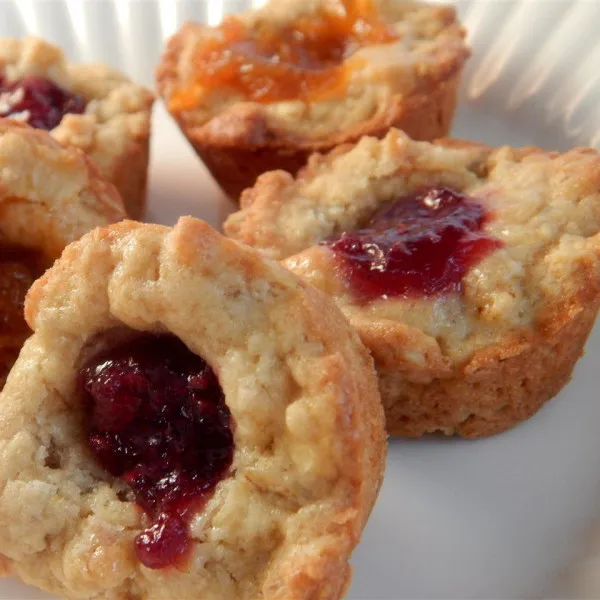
{"x": 303, "y": 61}
{"x": 158, "y": 420}
{"x": 38, "y": 102}
{"x": 419, "y": 245}
{"x": 19, "y": 268}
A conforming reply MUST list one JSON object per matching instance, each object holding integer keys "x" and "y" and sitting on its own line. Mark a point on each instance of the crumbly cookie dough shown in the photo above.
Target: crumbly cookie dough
{"x": 410, "y": 83}
{"x": 114, "y": 130}
{"x": 49, "y": 197}
{"x": 309, "y": 433}
{"x": 471, "y": 363}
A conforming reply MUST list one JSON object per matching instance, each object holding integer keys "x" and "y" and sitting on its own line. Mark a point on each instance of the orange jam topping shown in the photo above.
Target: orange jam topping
{"x": 19, "y": 268}
{"x": 302, "y": 61}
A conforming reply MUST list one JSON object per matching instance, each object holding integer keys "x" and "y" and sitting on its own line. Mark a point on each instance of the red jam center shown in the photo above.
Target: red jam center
{"x": 158, "y": 420}
{"x": 419, "y": 245}
{"x": 38, "y": 102}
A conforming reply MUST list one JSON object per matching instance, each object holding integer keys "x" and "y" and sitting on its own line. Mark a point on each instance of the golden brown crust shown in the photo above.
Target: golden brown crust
{"x": 236, "y": 165}
{"x": 498, "y": 388}
{"x": 130, "y": 173}
{"x": 5, "y": 570}
{"x": 473, "y": 362}
{"x": 49, "y": 197}
{"x": 239, "y": 140}
{"x": 309, "y": 437}
{"x": 329, "y": 194}
{"x": 115, "y": 127}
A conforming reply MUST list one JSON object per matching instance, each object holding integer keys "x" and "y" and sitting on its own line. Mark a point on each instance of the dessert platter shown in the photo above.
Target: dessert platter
{"x": 299, "y": 302}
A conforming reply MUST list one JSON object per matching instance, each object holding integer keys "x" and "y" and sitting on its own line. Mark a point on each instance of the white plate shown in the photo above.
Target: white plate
{"x": 497, "y": 518}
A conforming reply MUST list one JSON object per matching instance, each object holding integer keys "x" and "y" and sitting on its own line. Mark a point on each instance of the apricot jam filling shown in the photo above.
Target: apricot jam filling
{"x": 19, "y": 268}
{"x": 419, "y": 245}
{"x": 303, "y": 61}
{"x": 157, "y": 419}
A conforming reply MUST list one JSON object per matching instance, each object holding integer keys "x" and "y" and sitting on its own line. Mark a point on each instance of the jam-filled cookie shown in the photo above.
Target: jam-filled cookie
{"x": 189, "y": 420}
{"x": 268, "y": 87}
{"x": 89, "y": 106}
{"x": 49, "y": 197}
{"x": 471, "y": 273}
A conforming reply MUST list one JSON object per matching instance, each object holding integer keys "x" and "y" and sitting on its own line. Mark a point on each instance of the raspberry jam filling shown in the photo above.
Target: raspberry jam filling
{"x": 37, "y": 101}
{"x": 419, "y": 245}
{"x": 19, "y": 268}
{"x": 158, "y": 421}
{"x": 299, "y": 61}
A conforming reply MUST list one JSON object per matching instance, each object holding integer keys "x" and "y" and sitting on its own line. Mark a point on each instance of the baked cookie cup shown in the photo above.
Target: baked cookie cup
{"x": 189, "y": 420}
{"x": 89, "y": 106}
{"x": 268, "y": 87}
{"x": 471, "y": 273}
{"x": 49, "y": 197}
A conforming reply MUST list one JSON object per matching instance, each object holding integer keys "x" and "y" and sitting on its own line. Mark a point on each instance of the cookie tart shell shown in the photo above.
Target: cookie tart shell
{"x": 479, "y": 359}
{"x": 309, "y": 435}
{"x": 410, "y": 84}
{"x": 114, "y": 130}
{"x": 49, "y": 197}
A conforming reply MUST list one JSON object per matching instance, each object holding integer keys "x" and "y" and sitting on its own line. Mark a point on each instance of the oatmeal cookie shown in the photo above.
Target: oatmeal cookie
{"x": 189, "y": 420}
{"x": 472, "y": 273}
{"x": 49, "y": 197}
{"x": 89, "y": 106}
{"x": 270, "y": 86}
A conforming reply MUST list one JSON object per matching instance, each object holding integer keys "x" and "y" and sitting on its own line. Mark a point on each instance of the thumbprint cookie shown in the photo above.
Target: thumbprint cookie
{"x": 188, "y": 420}
{"x": 49, "y": 197}
{"x": 472, "y": 273}
{"x": 89, "y": 106}
{"x": 268, "y": 87}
